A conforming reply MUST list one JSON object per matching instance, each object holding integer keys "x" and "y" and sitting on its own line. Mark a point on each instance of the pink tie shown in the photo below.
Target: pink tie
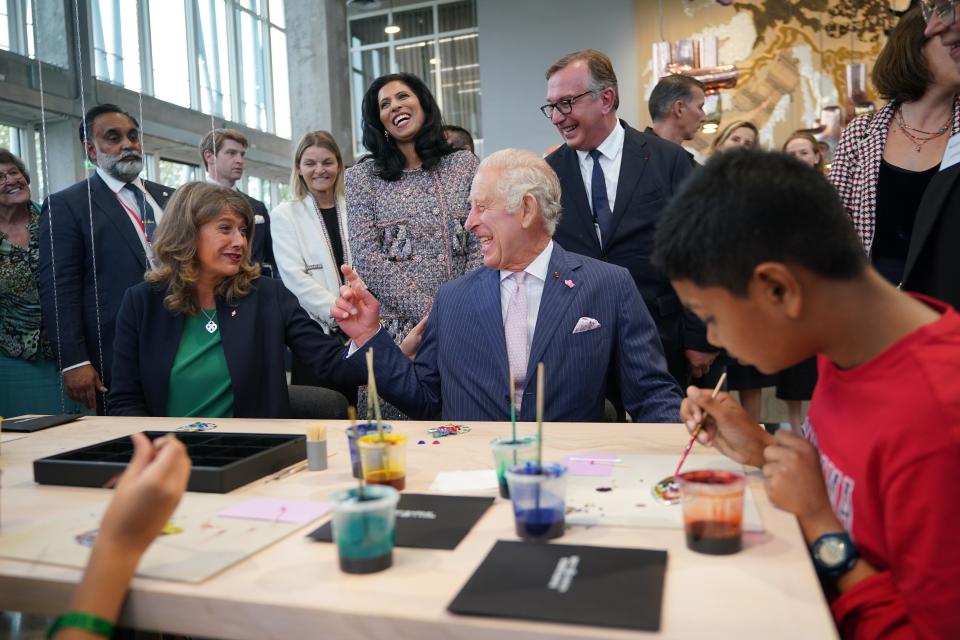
{"x": 515, "y": 331}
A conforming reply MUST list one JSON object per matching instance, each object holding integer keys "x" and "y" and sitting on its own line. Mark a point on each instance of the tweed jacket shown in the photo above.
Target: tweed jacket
{"x": 856, "y": 166}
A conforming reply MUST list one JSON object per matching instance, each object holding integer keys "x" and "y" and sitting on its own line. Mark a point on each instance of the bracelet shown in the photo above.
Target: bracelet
{"x": 84, "y": 621}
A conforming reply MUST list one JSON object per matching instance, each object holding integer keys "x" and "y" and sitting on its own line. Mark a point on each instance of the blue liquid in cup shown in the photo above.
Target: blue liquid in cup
{"x": 538, "y": 497}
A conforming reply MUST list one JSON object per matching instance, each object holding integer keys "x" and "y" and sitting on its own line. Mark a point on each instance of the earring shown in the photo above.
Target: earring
{"x": 386, "y": 135}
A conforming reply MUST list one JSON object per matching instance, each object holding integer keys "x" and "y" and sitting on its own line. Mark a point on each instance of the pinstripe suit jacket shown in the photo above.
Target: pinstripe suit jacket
{"x": 462, "y": 363}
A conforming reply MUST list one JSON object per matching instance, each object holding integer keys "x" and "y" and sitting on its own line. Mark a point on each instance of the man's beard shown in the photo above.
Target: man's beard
{"x": 125, "y": 170}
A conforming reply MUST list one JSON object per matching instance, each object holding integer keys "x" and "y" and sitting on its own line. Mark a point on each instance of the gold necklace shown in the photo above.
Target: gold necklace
{"x": 919, "y": 140}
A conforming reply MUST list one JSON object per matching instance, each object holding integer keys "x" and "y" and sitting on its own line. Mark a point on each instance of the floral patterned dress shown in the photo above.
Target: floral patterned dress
{"x": 408, "y": 237}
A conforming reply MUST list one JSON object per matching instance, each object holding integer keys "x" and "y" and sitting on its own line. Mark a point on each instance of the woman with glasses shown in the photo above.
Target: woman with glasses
{"x": 407, "y": 205}
{"x": 884, "y": 162}
{"x": 29, "y": 378}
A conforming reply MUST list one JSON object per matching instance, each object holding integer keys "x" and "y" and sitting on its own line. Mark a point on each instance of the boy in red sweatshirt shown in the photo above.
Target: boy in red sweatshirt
{"x": 759, "y": 247}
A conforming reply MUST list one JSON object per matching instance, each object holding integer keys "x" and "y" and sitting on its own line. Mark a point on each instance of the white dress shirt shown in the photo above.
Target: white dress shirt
{"x": 611, "y": 152}
{"x": 128, "y": 198}
{"x": 532, "y": 286}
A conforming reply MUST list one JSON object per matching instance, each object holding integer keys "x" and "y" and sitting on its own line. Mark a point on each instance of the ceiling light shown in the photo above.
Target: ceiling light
{"x": 391, "y": 29}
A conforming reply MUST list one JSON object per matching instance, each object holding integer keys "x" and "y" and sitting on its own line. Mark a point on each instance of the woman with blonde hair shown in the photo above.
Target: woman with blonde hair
{"x": 204, "y": 336}
{"x": 309, "y": 234}
{"x": 739, "y": 134}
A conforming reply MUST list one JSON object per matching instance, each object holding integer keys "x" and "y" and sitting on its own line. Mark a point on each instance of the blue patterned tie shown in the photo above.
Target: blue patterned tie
{"x": 598, "y": 194}
{"x": 145, "y": 211}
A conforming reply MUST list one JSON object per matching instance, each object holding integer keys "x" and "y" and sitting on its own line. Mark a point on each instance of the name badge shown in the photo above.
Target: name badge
{"x": 952, "y": 155}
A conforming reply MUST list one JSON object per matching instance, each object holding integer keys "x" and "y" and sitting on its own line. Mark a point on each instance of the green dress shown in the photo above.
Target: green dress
{"x": 200, "y": 384}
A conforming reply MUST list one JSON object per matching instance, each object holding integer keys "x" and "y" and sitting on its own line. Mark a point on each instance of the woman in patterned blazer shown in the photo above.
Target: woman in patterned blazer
{"x": 407, "y": 204}
{"x": 884, "y": 161}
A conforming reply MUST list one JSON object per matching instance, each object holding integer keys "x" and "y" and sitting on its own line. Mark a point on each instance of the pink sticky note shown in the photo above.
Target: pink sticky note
{"x": 292, "y": 511}
{"x": 591, "y": 464}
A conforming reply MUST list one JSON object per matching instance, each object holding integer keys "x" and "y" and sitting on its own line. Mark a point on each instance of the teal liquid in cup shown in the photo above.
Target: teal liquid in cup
{"x": 363, "y": 528}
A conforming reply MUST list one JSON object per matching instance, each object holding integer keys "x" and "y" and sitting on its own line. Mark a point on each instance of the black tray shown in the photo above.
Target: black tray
{"x": 221, "y": 461}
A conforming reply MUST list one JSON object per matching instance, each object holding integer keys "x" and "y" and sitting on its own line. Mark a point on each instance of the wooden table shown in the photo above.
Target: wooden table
{"x": 294, "y": 588}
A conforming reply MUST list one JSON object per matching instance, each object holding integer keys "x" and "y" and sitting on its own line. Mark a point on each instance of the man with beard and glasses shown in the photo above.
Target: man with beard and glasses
{"x": 94, "y": 245}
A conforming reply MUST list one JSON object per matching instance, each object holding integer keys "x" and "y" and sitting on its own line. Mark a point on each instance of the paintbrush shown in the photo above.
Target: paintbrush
{"x": 540, "y": 417}
{"x": 352, "y": 415}
{"x": 372, "y": 393}
{"x": 696, "y": 431}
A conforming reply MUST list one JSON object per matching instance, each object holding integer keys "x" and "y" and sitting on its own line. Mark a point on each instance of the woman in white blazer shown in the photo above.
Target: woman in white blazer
{"x": 310, "y": 231}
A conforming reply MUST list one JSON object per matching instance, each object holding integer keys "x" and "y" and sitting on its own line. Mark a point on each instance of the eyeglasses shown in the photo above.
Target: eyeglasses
{"x": 945, "y": 10}
{"x": 13, "y": 174}
{"x": 564, "y": 106}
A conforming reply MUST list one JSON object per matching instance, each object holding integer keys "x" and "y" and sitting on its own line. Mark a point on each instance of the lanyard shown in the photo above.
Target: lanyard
{"x": 133, "y": 214}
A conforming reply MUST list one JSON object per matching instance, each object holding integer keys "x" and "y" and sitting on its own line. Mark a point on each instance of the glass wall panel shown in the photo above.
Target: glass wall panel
{"x": 419, "y": 59}
{"x": 277, "y": 16}
{"x": 175, "y": 174}
{"x": 413, "y": 23}
{"x": 457, "y": 15}
{"x": 4, "y": 26}
{"x": 213, "y": 58}
{"x": 460, "y": 73}
{"x": 116, "y": 42}
{"x": 168, "y": 37}
{"x": 366, "y": 31}
{"x": 252, "y": 98}
{"x": 281, "y": 87}
{"x": 366, "y": 66}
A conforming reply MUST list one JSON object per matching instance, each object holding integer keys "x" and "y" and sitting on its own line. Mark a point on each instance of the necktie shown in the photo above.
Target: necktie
{"x": 598, "y": 195}
{"x": 515, "y": 331}
{"x": 144, "y": 210}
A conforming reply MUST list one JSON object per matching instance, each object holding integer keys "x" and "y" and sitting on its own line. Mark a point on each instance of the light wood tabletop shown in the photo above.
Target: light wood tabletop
{"x": 294, "y": 589}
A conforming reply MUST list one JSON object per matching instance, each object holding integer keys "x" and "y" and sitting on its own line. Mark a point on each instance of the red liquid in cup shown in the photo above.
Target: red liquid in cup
{"x": 713, "y": 511}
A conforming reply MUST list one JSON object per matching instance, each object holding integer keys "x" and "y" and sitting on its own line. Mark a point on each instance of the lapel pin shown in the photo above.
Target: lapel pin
{"x": 556, "y": 274}
{"x": 233, "y": 314}
{"x": 569, "y": 283}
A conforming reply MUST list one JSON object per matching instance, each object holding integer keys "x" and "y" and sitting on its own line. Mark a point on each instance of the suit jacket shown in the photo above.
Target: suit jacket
{"x": 71, "y": 283}
{"x": 253, "y": 331}
{"x": 933, "y": 262}
{"x": 651, "y": 171}
{"x": 462, "y": 363}
{"x": 262, "y": 250}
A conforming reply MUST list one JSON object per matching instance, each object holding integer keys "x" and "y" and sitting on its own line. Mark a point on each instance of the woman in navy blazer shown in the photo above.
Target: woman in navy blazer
{"x": 203, "y": 250}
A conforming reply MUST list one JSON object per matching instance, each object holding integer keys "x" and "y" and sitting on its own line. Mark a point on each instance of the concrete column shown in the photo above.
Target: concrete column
{"x": 65, "y": 161}
{"x": 319, "y": 69}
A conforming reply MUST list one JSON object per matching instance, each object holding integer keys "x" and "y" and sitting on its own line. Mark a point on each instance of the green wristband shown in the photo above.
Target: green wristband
{"x": 84, "y": 621}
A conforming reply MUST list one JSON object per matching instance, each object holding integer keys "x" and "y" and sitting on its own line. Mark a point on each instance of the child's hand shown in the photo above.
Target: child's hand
{"x": 794, "y": 480}
{"x": 727, "y": 427}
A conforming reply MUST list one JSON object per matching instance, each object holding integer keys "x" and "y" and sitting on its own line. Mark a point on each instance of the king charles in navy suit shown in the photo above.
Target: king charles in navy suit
{"x": 532, "y": 302}
{"x": 94, "y": 245}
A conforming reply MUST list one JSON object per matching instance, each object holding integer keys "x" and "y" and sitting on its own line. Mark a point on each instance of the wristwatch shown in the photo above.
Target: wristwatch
{"x": 833, "y": 554}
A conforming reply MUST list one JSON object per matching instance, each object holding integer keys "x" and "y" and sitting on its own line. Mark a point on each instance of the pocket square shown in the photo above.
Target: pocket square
{"x": 258, "y": 219}
{"x": 586, "y": 324}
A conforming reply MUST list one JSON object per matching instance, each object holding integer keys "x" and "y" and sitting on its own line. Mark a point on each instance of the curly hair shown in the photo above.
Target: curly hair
{"x": 192, "y": 206}
{"x": 430, "y": 143}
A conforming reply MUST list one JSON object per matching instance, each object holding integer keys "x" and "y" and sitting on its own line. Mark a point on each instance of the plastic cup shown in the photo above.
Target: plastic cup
{"x": 539, "y": 499}
{"x": 363, "y": 528}
{"x": 712, "y": 510}
{"x": 357, "y": 431}
{"x": 384, "y": 461}
{"x": 508, "y": 453}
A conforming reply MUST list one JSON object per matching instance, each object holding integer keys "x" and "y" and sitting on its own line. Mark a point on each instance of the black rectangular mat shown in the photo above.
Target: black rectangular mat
{"x": 29, "y": 425}
{"x": 429, "y": 521}
{"x": 600, "y": 586}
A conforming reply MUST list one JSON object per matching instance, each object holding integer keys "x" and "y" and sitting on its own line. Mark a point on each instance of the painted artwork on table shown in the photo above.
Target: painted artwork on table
{"x": 203, "y": 537}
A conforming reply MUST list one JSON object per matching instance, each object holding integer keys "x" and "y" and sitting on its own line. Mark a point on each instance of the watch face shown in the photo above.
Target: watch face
{"x": 832, "y": 551}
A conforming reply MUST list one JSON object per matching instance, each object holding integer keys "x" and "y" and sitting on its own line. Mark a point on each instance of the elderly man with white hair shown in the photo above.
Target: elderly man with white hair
{"x": 531, "y": 302}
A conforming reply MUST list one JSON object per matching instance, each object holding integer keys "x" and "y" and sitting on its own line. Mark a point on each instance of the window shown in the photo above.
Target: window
{"x": 116, "y": 42}
{"x": 16, "y": 27}
{"x": 435, "y": 41}
{"x": 227, "y": 58}
{"x": 175, "y": 174}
